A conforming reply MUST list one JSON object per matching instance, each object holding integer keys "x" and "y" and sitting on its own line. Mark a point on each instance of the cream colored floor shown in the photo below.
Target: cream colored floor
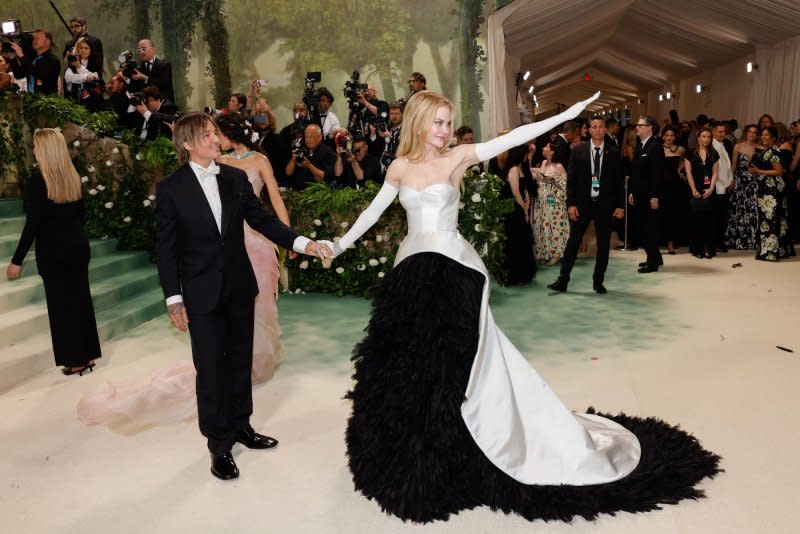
{"x": 700, "y": 352}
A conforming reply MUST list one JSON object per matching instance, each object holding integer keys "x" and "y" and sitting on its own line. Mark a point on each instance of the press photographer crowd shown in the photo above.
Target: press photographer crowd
{"x": 713, "y": 185}
{"x": 315, "y": 147}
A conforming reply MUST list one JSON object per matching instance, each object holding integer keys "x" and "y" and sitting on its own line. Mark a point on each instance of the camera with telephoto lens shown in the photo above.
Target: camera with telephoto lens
{"x": 126, "y": 63}
{"x": 72, "y": 58}
{"x": 300, "y": 151}
{"x": 382, "y": 120}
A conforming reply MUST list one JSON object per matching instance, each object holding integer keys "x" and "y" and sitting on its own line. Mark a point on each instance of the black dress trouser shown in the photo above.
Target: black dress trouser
{"x": 222, "y": 350}
{"x": 602, "y": 225}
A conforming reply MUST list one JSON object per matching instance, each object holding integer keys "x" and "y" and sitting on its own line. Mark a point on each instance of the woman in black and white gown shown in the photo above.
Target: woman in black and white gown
{"x": 447, "y": 414}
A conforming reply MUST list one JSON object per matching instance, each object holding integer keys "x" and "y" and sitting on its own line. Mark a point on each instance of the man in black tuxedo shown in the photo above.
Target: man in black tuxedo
{"x": 151, "y": 71}
{"x": 612, "y": 133}
{"x": 209, "y": 283}
{"x": 155, "y": 115}
{"x": 594, "y": 192}
{"x": 41, "y": 69}
{"x": 646, "y": 176}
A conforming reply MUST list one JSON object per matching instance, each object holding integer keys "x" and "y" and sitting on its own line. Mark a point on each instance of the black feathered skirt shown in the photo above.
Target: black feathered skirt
{"x": 408, "y": 445}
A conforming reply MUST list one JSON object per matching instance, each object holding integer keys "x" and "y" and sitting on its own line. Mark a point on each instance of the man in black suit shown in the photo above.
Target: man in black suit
{"x": 156, "y": 114}
{"x": 151, "y": 71}
{"x": 646, "y": 176}
{"x": 567, "y": 135}
{"x": 41, "y": 69}
{"x": 594, "y": 192}
{"x": 209, "y": 284}
{"x": 612, "y": 133}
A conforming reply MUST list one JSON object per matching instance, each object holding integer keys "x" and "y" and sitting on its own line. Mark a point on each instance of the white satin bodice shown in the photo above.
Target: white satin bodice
{"x": 433, "y": 209}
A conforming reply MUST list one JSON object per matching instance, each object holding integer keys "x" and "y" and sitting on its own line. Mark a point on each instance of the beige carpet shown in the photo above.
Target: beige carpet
{"x": 694, "y": 344}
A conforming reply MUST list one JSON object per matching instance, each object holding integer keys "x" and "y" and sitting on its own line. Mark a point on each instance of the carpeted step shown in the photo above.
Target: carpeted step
{"x": 10, "y": 207}
{"x": 33, "y": 355}
{"x": 11, "y": 226}
{"x": 8, "y": 244}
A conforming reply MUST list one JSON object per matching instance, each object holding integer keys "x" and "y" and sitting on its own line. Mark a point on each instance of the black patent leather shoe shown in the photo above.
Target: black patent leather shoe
{"x": 253, "y": 440}
{"x": 644, "y": 263}
{"x": 223, "y": 467}
{"x": 599, "y": 288}
{"x": 560, "y": 285}
{"x": 647, "y": 269}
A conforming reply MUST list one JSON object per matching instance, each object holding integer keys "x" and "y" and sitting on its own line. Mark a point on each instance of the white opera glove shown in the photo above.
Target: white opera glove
{"x": 526, "y": 132}
{"x": 367, "y": 218}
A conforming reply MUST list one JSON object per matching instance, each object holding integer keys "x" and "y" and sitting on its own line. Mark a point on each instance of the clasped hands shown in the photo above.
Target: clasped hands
{"x": 320, "y": 249}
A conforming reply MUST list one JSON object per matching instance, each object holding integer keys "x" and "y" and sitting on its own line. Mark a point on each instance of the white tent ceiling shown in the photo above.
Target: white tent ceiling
{"x": 630, "y": 47}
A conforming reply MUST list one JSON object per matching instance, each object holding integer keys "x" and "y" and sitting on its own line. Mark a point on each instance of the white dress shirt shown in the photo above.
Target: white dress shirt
{"x": 723, "y": 168}
{"x": 595, "y": 172}
{"x": 207, "y": 177}
{"x": 330, "y": 123}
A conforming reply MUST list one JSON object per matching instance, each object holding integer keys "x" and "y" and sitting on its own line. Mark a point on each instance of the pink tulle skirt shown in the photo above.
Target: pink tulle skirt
{"x": 168, "y": 395}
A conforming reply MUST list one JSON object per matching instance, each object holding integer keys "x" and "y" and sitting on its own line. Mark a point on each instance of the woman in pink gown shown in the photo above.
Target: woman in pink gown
{"x": 168, "y": 395}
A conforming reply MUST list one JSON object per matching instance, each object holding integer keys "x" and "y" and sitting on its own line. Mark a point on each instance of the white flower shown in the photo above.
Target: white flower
{"x": 282, "y": 189}
{"x": 84, "y": 179}
{"x": 373, "y": 262}
{"x": 381, "y": 275}
{"x": 476, "y": 197}
{"x": 101, "y": 187}
{"x": 115, "y": 151}
{"x": 340, "y": 270}
{"x": 108, "y": 163}
{"x": 93, "y": 191}
{"x": 312, "y": 235}
{"x": 304, "y": 264}
{"x": 326, "y": 264}
{"x": 361, "y": 267}
{"x": 382, "y": 259}
{"x": 461, "y": 205}
{"x": 109, "y": 205}
{"x": 139, "y": 157}
{"x": 344, "y": 224}
{"x": 366, "y": 242}
{"x": 317, "y": 222}
{"x": 127, "y": 219}
{"x": 476, "y": 216}
{"x": 478, "y": 228}
{"x": 146, "y": 202}
{"x": 297, "y": 291}
{"x": 90, "y": 168}
{"x": 378, "y": 238}
{"x": 493, "y": 238}
{"x": 76, "y": 143}
{"x": 151, "y": 197}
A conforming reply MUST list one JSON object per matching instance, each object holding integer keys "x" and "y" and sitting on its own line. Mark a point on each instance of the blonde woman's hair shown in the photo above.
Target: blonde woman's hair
{"x": 60, "y": 176}
{"x": 189, "y": 130}
{"x": 417, "y": 119}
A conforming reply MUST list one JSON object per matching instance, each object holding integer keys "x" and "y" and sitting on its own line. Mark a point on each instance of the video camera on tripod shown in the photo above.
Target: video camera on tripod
{"x": 311, "y": 95}
{"x": 11, "y": 32}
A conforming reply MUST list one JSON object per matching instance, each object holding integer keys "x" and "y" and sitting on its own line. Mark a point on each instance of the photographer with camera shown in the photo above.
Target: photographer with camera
{"x": 43, "y": 71}
{"x": 389, "y": 133}
{"x": 78, "y": 29}
{"x": 82, "y": 76}
{"x": 357, "y": 164}
{"x": 158, "y": 114}
{"x": 311, "y": 160}
{"x": 151, "y": 71}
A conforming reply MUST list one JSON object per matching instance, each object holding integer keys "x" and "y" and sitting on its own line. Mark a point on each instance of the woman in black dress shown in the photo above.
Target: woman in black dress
{"x": 519, "y": 234}
{"x": 701, "y": 174}
{"x": 55, "y": 219}
{"x": 675, "y": 206}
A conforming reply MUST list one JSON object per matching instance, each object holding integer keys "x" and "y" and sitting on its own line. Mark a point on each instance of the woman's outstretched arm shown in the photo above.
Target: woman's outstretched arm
{"x": 526, "y": 132}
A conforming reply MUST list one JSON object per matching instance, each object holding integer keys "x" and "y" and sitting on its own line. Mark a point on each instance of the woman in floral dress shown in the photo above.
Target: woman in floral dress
{"x": 771, "y": 234}
{"x": 550, "y": 222}
{"x": 742, "y": 217}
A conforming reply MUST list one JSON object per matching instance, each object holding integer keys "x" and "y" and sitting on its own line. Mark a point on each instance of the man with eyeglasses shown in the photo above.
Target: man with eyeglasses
{"x": 416, "y": 83}
{"x": 78, "y": 29}
{"x": 151, "y": 71}
{"x": 646, "y": 176}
